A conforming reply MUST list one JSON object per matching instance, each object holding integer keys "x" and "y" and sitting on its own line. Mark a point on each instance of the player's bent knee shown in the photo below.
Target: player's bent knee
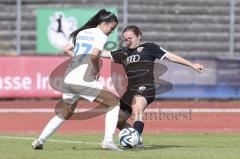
{"x": 112, "y": 100}
{"x": 107, "y": 98}
{"x": 66, "y": 110}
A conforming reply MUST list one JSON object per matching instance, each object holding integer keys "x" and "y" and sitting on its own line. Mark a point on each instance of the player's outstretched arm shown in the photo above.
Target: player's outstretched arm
{"x": 180, "y": 60}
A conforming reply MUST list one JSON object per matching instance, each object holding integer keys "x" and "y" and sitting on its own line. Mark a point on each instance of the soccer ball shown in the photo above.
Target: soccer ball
{"x": 128, "y": 137}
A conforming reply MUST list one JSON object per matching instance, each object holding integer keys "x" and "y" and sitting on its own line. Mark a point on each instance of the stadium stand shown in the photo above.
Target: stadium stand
{"x": 187, "y": 27}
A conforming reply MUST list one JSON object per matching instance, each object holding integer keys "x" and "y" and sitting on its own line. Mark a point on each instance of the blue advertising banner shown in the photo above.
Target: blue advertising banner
{"x": 221, "y": 80}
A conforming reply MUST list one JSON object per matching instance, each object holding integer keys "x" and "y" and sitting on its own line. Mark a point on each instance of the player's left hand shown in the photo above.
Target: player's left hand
{"x": 198, "y": 67}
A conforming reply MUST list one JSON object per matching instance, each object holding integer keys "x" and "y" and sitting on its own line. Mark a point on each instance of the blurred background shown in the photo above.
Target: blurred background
{"x": 33, "y": 32}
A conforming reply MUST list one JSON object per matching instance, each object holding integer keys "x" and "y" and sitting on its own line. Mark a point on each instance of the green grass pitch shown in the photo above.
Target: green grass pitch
{"x": 163, "y": 146}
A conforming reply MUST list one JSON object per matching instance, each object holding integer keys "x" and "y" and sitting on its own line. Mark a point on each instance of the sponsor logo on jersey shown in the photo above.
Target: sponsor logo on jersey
{"x": 132, "y": 59}
{"x": 139, "y": 49}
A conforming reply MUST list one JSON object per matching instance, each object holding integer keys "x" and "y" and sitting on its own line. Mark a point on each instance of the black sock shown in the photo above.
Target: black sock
{"x": 138, "y": 125}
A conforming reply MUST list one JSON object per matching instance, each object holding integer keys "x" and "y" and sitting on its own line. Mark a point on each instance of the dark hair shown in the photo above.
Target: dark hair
{"x": 101, "y": 16}
{"x": 134, "y": 29}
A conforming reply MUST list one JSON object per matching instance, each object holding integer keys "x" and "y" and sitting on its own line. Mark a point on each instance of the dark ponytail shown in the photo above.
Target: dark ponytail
{"x": 101, "y": 16}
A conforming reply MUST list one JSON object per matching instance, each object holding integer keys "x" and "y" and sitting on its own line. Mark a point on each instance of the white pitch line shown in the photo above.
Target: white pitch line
{"x": 43, "y": 110}
{"x": 149, "y": 110}
{"x": 51, "y": 140}
{"x": 195, "y": 110}
{"x": 24, "y": 110}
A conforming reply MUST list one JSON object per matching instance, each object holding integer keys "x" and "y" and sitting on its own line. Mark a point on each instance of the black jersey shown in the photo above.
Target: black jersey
{"x": 139, "y": 62}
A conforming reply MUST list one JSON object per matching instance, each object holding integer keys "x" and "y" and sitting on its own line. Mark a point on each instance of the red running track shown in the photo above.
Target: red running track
{"x": 155, "y": 122}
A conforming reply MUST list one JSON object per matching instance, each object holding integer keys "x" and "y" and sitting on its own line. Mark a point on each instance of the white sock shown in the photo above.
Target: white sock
{"x": 50, "y": 128}
{"x": 111, "y": 120}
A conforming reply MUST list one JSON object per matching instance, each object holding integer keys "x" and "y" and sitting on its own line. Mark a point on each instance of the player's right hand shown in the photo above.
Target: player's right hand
{"x": 199, "y": 67}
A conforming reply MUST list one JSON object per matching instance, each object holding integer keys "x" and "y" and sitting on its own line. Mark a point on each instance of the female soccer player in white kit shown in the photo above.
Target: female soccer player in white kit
{"x": 81, "y": 77}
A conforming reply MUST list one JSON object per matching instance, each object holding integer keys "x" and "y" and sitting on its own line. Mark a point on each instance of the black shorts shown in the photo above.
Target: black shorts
{"x": 147, "y": 91}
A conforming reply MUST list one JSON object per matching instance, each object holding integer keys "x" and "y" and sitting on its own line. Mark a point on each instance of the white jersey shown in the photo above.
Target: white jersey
{"x": 87, "y": 40}
{"x": 79, "y": 75}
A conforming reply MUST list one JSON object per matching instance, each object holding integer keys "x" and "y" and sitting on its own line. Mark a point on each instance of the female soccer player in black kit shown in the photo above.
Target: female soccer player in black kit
{"x": 138, "y": 62}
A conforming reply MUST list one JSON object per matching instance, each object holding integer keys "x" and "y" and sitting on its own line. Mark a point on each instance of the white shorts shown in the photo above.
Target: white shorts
{"x": 80, "y": 82}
